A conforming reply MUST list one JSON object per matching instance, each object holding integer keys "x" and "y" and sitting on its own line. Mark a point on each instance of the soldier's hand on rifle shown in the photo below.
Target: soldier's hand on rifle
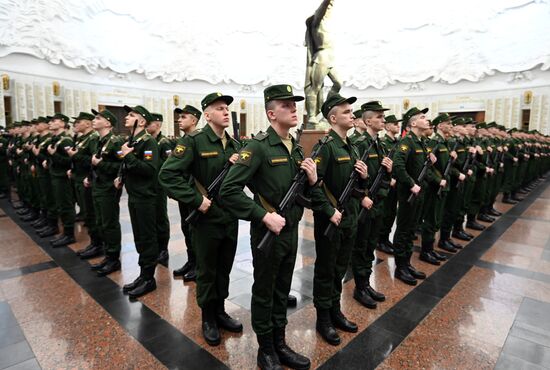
{"x": 393, "y": 182}
{"x": 489, "y": 149}
{"x": 470, "y": 172}
{"x": 415, "y": 189}
{"x": 69, "y": 174}
{"x": 367, "y": 203}
{"x": 479, "y": 150}
{"x": 95, "y": 160}
{"x": 33, "y": 169}
{"x": 71, "y": 151}
{"x": 336, "y": 217}
{"x": 18, "y": 151}
{"x": 126, "y": 149}
{"x": 310, "y": 168}
{"x": 453, "y": 155}
{"x": 205, "y": 205}
{"x": 274, "y": 222}
{"x": 234, "y": 158}
{"x": 443, "y": 183}
{"x": 362, "y": 169}
{"x": 471, "y": 150}
{"x": 51, "y": 150}
{"x": 45, "y": 164}
{"x": 118, "y": 183}
{"x": 461, "y": 177}
{"x": 86, "y": 183}
{"x": 433, "y": 158}
{"x": 388, "y": 163}
{"x": 35, "y": 150}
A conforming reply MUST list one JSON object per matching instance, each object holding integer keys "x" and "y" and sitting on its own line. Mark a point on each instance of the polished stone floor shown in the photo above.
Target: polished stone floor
{"x": 487, "y": 307}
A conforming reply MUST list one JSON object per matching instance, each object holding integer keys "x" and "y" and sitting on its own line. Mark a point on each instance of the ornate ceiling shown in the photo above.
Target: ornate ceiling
{"x": 249, "y": 42}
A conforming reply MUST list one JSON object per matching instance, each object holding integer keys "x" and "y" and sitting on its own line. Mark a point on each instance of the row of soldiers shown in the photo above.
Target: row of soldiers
{"x": 357, "y": 187}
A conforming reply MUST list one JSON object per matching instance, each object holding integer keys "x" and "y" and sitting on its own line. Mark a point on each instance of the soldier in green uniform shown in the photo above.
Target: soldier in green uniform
{"x": 22, "y": 182}
{"x": 29, "y": 174}
{"x": 141, "y": 165}
{"x": 510, "y": 166}
{"x": 368, "y": 230}
{"x": 391, "y": 140}
{"x": 335, "y": 163}
{"x": 359, "y": 126}
{"x": 408, "y": 163}
{"x": 188, "y": 117}
{"x": 456, "y": 187}
{"x": 439, "y": 185}
{"x": 105, "y": 163}
{"x": 497, "y": 160}
{"x": 163, "y": 224}
{"x": 81, "y": 155}
{"x": 202, "y": 155}
{"x": 267, "y": 165}
{"x": 4, "y": 168}
{"x": 60, "y": 163}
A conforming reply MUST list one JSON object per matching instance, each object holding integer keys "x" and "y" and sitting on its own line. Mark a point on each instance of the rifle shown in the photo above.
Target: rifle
{"x": 447, "y": 168}
{"x": 122, "y": 169}
{"x": 73, "y": 147}
{"x": 423, "y": 172}
{"x": 296, "y": 189}
{"x": 92, "y": 175}
{"x": 53, "y": 142}
{"x": 236, "y": 126}
{"x": 346, "y": 193}
{"x": 375, "y": 187}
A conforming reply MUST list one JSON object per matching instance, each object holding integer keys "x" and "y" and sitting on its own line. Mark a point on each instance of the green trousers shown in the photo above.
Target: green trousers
{"x": 47, "y": 200}
{"x": 64, "y": 202}
{"x": 4, "y": 177}
{"x": 272, "y": 278}
{"x": 216, "y": 245}
{"x": 432, "y": 214}
{"x": 366, "y": 240}
{"x": 186, "y": 230}
{"x": 143, "y": 218}
{"x": 451, "y": 208}
{"x": 107, "y": 213}
{"x": 408, "y": 215}
{"x": 87, "y": 204}
{"x": 331, "y": 264}
{"x": 390, "y": 211}
{"x": 163, "y": 224}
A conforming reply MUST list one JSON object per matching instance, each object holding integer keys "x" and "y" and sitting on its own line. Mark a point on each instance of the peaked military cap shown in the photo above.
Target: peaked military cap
{"x": 358, "y": 113}
{"x": 413, "y": 112}
{"x": 374, "y": 106}
{"x": 492, "y": 124}
{"x": 211, "y": 98}
{"x": 107, "y": 114}
{"x": 84, "y": 115}
{"x": 189, "y": 109}
{"x": 441, "y": 117}
{"x": 280, "y": 92}
{"x": 333, "y": 100}
{"x": 392, "y": 119}
{"x": 141, "y": 110}
{"x": 481, "y": 125}
{"x": 61, "y": 116}
{"x": 42, "y": 119}
{"x": 157, "y": 117}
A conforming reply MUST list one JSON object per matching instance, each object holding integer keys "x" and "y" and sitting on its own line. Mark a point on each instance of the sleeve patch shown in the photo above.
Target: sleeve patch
{"x": 148, "y": 155}
{"x": 245, "y": 157}
{"x": 179, "y": 150}
{"x": 404, "y": 147}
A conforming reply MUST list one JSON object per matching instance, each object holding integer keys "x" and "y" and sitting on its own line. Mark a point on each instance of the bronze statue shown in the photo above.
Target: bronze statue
{"x": 319, "y": 61}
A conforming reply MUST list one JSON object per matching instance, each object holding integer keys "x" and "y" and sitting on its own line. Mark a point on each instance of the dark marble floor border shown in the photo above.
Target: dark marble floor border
{"x": 534, "y": 275}
{"x": 374, "y": 344}
{"x": 169, "y": 345}
{"x": 8, "y": 274}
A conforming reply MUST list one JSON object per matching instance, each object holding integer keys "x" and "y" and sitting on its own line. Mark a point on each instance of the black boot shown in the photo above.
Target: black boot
{"x": 134, "y": 284}
{"x": 461, "y": 235}
{"x": 68, "y": 238}
{"x": 516, "y": 197}
{"x": 377, "y": 296}
{"x": 183, "y": 270}
{"x": 325, "y": 327}
{"x": 341, "y": 322}
{"x": 102, "y": 263}
{"x": 413, "y": 271}
{"x": 472, "y": 224}
{"x": 33, "y": 215}
{"x": 493, "y": 212}
{"x": 361, "y": 295}
{"x": 267, "y": 357}
{"x": 111, "y": 265}
{"x": 507, "y": 199}
{"x": 446, "y": 246}
{"x": 95, "y": 250}
{"x": 438, "y": 256}
{"x": 225, "y": 321}
{"x": 485, "y": 217}
{"x": 455, "y": 244}
{"x": 147, "y": 284}
{"x": 385, "y": 246}
{"x": 41, "y": 222}
{"x": 210, "y": 330}
{"x": 287, "y": 356}
{"x": 425, "y": 254}
{"x": 191, "y": 275}
{"x": 402, "y": 271}
{"x": 291, "y": 301}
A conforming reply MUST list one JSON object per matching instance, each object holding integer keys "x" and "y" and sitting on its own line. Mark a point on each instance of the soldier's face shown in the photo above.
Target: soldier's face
{"x": 393, "y": 128}
{"x": 284, "y": 112}
{"x": 56, "y": 124}
{"x": 131, "y": 117}
{"x": 186, "y": 121}
{"x": 343, "y": 116}
{"x": 445, "y": 127}
{"x": 470, "y": 130}
{"x": 217, "y": 113}
{"x": 377, "y": 121}
{"x": 153, "y": 127}
{"x": 99, "y": 123}
{"x": 358, "y": 122}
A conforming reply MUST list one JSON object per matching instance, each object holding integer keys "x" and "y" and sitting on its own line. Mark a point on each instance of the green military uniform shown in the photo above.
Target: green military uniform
{"x": 141, "y": 170}
{"x": 480, "y": 187}
{"x": 4, "y": 168}
{"x": 87, "y": 146}
{"x": 390, "y": 203}
{"x": 47, "y": 199}
{"x": 434, "y": 199}
{"x": 202, "y": 155}
{"x": 105, "y": 196}
{"x": 61, "y": 185}
{"x": 163, "y": 224}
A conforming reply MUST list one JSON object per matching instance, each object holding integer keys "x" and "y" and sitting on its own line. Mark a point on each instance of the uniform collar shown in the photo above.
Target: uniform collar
{"x": 338, "y": 140}
{"x": 275, "y": 139}
{"x": 213, "y": 137}
{"x": 414, "y": 137}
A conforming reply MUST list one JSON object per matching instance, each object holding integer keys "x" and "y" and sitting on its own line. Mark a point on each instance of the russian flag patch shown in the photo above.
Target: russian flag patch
{"x": 148, "y": 155}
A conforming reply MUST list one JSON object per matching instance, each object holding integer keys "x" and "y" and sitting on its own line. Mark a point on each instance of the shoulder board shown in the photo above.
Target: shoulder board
{"x": 360, "y": 139}
{"x": 261, "y": 136}
{"x": 194, "y": 133}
